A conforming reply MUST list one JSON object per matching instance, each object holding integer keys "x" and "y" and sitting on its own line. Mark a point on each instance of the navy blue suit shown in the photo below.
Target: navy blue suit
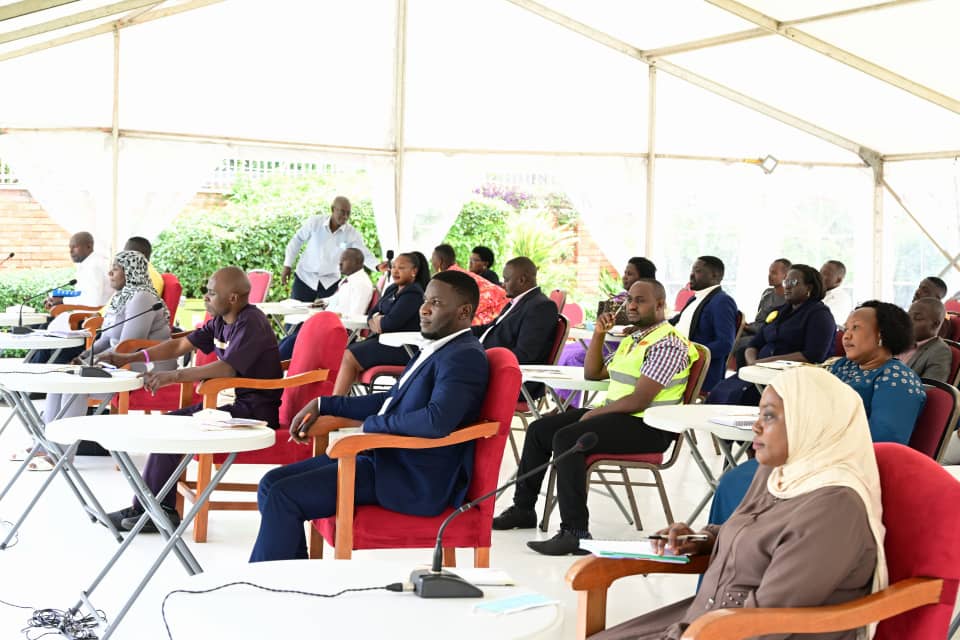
{"x": 444, "y": 393}
{"x": 714, "y": 325}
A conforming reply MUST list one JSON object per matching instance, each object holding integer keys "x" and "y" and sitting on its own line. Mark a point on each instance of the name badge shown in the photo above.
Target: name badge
{"x": 219, "y": 344}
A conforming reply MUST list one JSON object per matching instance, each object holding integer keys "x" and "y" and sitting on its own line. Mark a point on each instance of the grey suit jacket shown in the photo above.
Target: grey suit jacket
{"x": 933, "y": 360}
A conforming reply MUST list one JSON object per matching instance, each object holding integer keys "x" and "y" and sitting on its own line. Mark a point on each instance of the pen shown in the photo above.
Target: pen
{"x": 691, "y": 537}
{"x": 301, "y": 428}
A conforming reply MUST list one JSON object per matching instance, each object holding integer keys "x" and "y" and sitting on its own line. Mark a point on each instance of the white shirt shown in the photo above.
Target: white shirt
{"x": 428, "y": 349}
{"x": 320, "y": 261}
{"x": 839, "y": 303}
{"x": 93, "y": 285}
{"x": 686, "y": 316}
{"x": 507, "y": 309}
{"x": 353, "y": 295}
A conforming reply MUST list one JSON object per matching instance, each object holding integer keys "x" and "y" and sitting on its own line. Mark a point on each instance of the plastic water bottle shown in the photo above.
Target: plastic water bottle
{"x": 64, "y": 293}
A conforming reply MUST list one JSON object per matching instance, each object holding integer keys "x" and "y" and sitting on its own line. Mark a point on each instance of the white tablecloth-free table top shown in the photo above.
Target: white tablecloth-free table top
{"x": 560, "y": 377}
{"x": 238, "y": 611}
{"x": 402, "y": 339}
{"x": 136, "y": 433}
{"x": 29, "y": 319}
{"x": 582, "y": 334}
{"x": 61, "y": 378}
{"x": 765, "y": 373}
{"x": 680, "y": 417}
{"x": 37, "y": 341}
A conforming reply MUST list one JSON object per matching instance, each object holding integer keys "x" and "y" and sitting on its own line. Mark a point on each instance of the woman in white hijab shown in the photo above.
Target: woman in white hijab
{"x": 809, "y": 530}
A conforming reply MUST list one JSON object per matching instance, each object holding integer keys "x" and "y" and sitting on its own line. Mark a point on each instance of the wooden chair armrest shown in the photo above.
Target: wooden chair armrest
{"x": 179, "y": 334}
{"x": 351, "y": 445}
{"x": 285, "y": 365}
{"x": 591, "y": 577}
{"x": 135, "y": 344}
{"x": 733, "y": 624}
{"x": 321, "y": 442}
{"x": 77, "y": 320}
{"x": 213, "y": 386}
{"x": 57, "y": 309}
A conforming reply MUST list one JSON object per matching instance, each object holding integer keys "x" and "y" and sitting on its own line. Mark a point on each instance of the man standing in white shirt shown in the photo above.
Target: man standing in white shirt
{"x": 317, "y": 274}
{"x": 351, "y": 299}
{"x": 833, "y": 272}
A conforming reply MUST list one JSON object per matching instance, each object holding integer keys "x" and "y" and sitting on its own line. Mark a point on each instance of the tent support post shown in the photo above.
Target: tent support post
{"x": 399, "y": 114}
{"x": 651, "y": 157}
{"x": 878, "y": 230}
{"x": 115, "y": 143}
{"x": 951, "y": 260}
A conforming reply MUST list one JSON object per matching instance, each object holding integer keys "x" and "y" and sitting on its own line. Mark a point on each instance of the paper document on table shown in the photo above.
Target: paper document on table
{"x": 634, "y": 549}
{"x": 780, "y": 365}
{"x": 67, "y": 333}
{"x": 514, "y": 604}
{"x": 740, "y": 420}
{"x": 485, "y": 577}
{"x": 214, "y": 419}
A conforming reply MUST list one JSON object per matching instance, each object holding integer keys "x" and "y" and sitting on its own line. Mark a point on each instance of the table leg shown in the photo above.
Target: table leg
{"x": 529, "y": 400}
{"x": 705, "y": 470}
{"x": 175, "y": 537}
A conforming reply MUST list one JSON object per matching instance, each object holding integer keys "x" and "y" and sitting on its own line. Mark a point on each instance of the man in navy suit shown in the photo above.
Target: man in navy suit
{"x": 709, "y": 317}
{"x": 440, "y": 390}
{"x": 526, "y": 326}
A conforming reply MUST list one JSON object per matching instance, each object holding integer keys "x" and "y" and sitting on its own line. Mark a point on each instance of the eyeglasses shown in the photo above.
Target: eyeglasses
{"x": 792, "y": 282}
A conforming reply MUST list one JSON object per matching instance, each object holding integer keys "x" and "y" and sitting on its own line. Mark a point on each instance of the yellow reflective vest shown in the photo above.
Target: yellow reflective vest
{"x": 624, "y": 368}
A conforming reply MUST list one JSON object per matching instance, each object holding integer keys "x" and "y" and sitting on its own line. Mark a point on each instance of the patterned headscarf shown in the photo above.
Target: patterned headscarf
{"x": 137, "y": 277}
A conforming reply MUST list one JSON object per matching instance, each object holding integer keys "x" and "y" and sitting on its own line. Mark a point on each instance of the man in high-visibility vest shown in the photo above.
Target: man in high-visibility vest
{"x": 650, "y": 368}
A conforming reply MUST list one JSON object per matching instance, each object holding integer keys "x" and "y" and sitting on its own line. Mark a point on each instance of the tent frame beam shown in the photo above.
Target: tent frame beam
{"x": 400, "y": 105}
{"x": 689, "y": 76}
{"x": 836, "y": 53}
{"x": 651, "y": 159}
{"x": 75, "y": 19}
{"x": 26, "y": 7}
{"x": 750, "y": 34}
{"x": 951, "y": 260}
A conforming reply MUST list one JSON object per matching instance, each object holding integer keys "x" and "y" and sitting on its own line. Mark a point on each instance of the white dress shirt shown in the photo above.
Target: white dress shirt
{"x": 320, "y": 261}
{"x": 838, "y": 302}
{"x": 686, "y": 316}
{"x": 93, "y": 285}
{"x": 427, "y": 350}
{"x": 353, "y": 295}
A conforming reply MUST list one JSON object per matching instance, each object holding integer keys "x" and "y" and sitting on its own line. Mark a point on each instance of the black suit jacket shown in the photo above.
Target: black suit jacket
{"x": 527, "y": 330}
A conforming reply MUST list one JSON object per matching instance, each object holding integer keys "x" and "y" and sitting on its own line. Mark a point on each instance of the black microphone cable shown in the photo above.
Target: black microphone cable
{"x": 393, "y": 586}
{"x": 60, "y": 623}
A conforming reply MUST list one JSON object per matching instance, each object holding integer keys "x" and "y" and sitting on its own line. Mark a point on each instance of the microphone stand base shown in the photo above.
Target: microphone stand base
{"x": 21, "y": 330}
{"x": 428, "y": 584}
{"x": 93, "y": 372}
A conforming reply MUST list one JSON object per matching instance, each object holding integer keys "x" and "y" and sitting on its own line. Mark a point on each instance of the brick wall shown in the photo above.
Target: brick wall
{"x": 590, "y": 261}
{"x": 27, "y": 230}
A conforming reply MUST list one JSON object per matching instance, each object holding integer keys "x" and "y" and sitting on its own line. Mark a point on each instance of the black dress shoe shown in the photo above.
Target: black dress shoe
{"x": 515, "y": 518}
{"x": 117, "y": 517}
{"x": 564, "y": 543}
{"x": 128, "y": 524}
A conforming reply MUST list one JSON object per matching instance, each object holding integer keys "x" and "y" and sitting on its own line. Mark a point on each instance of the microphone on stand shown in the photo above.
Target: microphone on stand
{"x": 437, "y": 583}
{"x": 389, "y": 258}
{"x": 22, "y": 329}
{"x": 7, "y": 258}
{"x": 92, "y": 371}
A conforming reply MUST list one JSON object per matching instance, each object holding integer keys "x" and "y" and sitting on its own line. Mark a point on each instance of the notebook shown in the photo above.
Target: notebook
{"x": 633, "y": 549}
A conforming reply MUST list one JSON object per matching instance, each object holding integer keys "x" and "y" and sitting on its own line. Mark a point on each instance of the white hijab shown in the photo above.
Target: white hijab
{"x": 829, "y": 445}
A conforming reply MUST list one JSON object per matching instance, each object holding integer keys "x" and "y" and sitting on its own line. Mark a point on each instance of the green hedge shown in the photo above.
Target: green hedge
{"x": 16, "y": 286}
{"x": 251, "y": 231}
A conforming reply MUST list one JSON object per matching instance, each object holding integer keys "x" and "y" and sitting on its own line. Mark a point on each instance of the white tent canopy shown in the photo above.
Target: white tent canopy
{"x": 650, "y": 115}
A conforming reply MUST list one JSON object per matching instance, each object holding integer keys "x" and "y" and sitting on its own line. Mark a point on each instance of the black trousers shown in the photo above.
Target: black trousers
{"x": 303, "y": 292}
{"x": 616, "y": 433}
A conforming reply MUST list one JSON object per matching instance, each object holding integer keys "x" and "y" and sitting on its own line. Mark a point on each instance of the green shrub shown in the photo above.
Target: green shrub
{"x": 251, "y": 231}
{"x": 16, "y": 286}
{"x": 480, "y": 223}
{"x": 536, "y": 235}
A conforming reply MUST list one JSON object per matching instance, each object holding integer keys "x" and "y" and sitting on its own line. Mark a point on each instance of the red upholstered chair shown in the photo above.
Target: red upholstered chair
{"x": 373, "y": 527}
{"x": 169, "y": 398}
{"x": 952, "y": 305}
{"x": 838, "y": 350}
{"x": 602, "y": 463}
{"x": 950, "y": 330}
{"x": 923, "y": 577}
{"x": 259, "y": 284}
{"x": 732, "y": 358}
{"x": 954, "y": 378}
{"x": 559, "y": 296}
{"x": 311, "y": 373}
{"x": 522, "y": 410}
{"x": 683, "y": 296}
{"x": 171, "y": 294}
{"x": 936, "y": 422}
{"x": 574, "y": 313}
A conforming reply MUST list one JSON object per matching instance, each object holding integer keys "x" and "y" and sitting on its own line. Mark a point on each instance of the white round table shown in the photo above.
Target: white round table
{"x": 239, "y": 612}
{"x": 31, "y": 318}
{"x": 282, "y": 308}
{"x": 61, "y": 378}
{"x": 582, "y": 334}
{"x": 403, "y": 339}
{"x": 686, "y": 418}
{"x": 37, "y": 340}
{"x": 184, "y": 435}
{"x": 764, "y": 372}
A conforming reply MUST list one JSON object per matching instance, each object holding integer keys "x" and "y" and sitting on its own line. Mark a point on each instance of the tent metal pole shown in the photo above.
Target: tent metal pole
{"x": 399, "y": 96}
{"x": 750, "y": 34}
{"x": 836, "y": 53}
{"x": 75, "y": 19}
{"x": 26, "y": 7}
{"x": 923, "y": 155}
{"x": 115, "y": 143}
{"x": 689, "y": 76}
{"x": 878, "y": 230}
{"x": 950, "y": 259}
{"x": 651, "y": 157}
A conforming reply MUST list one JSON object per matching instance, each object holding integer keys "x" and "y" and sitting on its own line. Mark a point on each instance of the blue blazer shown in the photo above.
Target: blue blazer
{"x": 714, "y": 325}
{"x": 443, "y": 394}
